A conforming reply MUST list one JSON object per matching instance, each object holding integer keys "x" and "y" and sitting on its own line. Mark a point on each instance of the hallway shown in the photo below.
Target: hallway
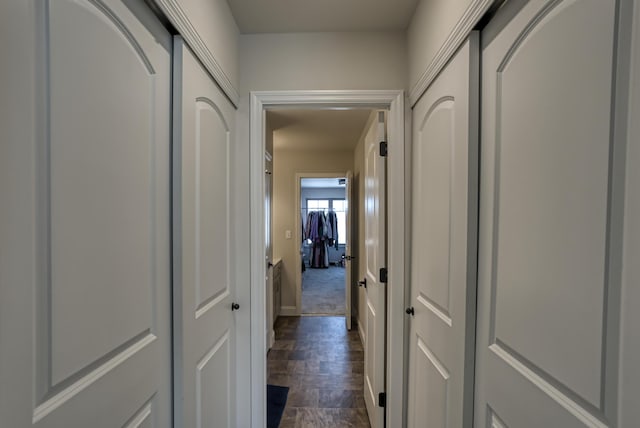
{"x": 323, "y": 364}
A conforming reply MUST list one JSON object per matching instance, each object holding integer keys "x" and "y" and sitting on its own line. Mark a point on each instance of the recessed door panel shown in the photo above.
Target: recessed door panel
{"x": 434, "y": 154}
{"x": 430, "y": 396}
{"x": 212, "y": 384}
{"x": 144, "y": 417}
{"x": 547, "y": 335}
{"x": 101, "y": 187}
{"x": 211, "y": 215}
{"x": 551, "y": 200}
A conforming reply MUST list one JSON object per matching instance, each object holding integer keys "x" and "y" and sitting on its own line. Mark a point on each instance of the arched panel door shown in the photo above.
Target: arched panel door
{"x": 549, "y": 243}
{"x": 443, "y": 246}
{"x": 204, "y": 288}
{"x": 86, "y": 337}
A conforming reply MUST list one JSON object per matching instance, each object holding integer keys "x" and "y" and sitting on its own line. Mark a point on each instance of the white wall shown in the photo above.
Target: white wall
{"x": 430, "y": 25}
{"x": 322, "y": 61}
{"x": 212, "y": 23}
{"x": 433, "y": 25}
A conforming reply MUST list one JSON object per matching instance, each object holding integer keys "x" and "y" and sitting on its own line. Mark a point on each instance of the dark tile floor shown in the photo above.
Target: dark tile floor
{"x": 322, "y": 364}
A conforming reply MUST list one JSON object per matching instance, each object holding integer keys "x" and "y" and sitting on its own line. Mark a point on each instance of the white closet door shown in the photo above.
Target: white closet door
{"x": 85, "y": 224}
{"x": 550, "y": 218}
{"x": 444, "y": 227}
{"x": 204, "y": 288}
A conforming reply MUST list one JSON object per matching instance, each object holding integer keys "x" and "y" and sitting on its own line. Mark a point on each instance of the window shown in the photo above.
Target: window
{"x": 337, "y": 205}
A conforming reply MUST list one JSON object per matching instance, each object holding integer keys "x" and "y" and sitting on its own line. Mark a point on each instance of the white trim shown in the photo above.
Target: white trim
{"x": 458, "y": 35}
{"x": 180, "y": 20}
{"x": 288, "y": 311}
{"x": 395, "y": 102}
{"x": 298, "y": 226}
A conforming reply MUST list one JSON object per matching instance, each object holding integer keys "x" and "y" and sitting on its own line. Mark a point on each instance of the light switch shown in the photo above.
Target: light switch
{"x": 287, "y": 234}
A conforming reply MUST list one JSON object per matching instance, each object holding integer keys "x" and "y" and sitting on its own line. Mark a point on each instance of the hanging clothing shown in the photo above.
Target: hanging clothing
{"x": 317, "y": 230}
{"x": 332, "y": 229}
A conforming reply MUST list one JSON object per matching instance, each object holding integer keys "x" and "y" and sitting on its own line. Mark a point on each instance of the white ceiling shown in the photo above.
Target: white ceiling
{"x": 297, "y": 129}
{"x": 289, "y": 16}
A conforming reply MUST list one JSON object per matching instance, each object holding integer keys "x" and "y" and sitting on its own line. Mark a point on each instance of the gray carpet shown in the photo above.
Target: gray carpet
{"x": 323, "y": 291}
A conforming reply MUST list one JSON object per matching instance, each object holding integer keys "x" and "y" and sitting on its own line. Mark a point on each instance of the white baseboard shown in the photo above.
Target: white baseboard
{"x": 288, "y": 311}
{"x": 272, "y": 338}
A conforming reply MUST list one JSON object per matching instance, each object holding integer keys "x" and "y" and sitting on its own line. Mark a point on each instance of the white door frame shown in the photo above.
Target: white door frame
{"x": 298, "y": 238}
{"x": 394, "y": 100}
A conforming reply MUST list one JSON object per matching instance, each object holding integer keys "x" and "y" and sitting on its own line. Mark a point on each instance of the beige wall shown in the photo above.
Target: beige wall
{"x": 323, "y": 61}
{"x": 287, "y": 163}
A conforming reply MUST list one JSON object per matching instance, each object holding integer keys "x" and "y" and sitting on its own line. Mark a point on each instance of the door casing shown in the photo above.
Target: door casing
{"x": 394, "y": 101}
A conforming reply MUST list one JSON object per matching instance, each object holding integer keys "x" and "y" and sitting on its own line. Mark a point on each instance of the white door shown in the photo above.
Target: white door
{"x": 348, "y": 280}
{"x": 550, "y": 218}
{"x": 85, "y": 219}
{"x": 268, "y": 192}
{"x": 204, "y": 289}
{"x": 374, "y": 260}
{"x": 443, "y": 246}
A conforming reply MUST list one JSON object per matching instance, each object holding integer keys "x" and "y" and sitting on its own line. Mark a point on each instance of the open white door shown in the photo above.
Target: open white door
{"x": 85, "y": 327}
{"x": 443, "y": 246}
{"x": 550, "y": 232}
{"x": 268, "y": 240}
{"x": 204, "y": 288}
{"x": 348, "y": 281}
{"x": 374, "y": 261}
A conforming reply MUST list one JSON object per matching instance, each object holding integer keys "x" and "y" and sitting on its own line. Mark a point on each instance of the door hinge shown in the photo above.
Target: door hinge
{"x": 383, "y": 275}
{"x": 383, "y": 148}
{"x": 382, "y": 399}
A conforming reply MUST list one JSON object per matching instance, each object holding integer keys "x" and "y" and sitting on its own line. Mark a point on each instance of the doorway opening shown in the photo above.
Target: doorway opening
{"x": 323, "y": 256}
{"x": 316, "y": 153}
{"x": 390, "y": 344}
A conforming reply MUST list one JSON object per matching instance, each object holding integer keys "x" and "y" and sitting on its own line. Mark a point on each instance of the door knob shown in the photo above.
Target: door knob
{"x": 410, "y": 311}
{"x": 235, "y": 306}
{"x": 363, "y": 283}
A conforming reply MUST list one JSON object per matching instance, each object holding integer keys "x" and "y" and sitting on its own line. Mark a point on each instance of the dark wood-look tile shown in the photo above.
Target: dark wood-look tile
{"x": 330, "y": 398}
{"x": 289, "y": 418}
{"x": 323, "y": 364}
{"x": 302, "y": 396}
